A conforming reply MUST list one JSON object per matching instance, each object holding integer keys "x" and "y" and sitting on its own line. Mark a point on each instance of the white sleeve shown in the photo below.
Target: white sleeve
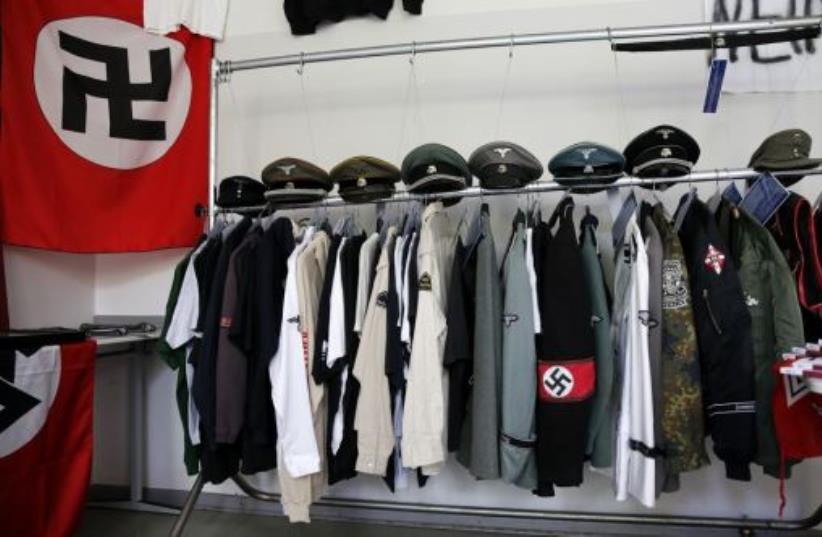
{"x": 162, "y": 16}
{"x": 405, "y": 331}
{"x": 336, "y": 315}
{"x": 289, "y": 392}
{"x": 532, "y": 278}
{"x": 184, "y": 319}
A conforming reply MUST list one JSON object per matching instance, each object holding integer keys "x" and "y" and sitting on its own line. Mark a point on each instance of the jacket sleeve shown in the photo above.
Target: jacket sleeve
{"x": 289, "y": 393}
{"x": 425, "y": 405}
{"x": 787, "y": 321}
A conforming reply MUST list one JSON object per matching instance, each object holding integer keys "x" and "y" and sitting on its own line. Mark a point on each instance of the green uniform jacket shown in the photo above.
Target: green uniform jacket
{"x": 770, "y": 294}
{"x": 600, "y": 428}
{"x": 176, "y": 359}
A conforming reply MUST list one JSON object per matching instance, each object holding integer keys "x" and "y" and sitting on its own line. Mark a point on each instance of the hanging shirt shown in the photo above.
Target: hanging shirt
{"x": 181, "y": 330}
{"x": 204, "y": 17}
{"x": 298, "y": 494}
{"x": 176, "y": 359}
{"x": 407, "y": 284}
{"x": 297, "y": 444}
{"x": 519, "y": 370}
{"x": 634, "y": 464}
{"x": 426, "y": 405}
{"x": 367, "y": 254}
{"x": 566, "y": 375}
{"x": 682, "y": 414}
{"x": 600, "y": 430}
{"x": 479, "y": 445}
{"x": 337, "y": 345}
{"x": 375, "y": 436}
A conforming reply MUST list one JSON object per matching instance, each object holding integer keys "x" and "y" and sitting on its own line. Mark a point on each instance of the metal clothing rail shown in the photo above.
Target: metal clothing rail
{"x": 544, "y": 38}
{"x": 221, "y": 70}
{"x": 745, "y": 526}
{"x": 538, "y": 187}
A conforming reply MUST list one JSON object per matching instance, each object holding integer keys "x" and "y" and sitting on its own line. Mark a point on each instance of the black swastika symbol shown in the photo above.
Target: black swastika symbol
{"x": 117, "y": 89}
{"x": 558, "y": 381}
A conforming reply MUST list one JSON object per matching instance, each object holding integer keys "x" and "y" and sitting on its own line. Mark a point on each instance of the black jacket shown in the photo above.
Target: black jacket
{"x": 304, "y": 15}
{"x": 723, "y": 331}
{"x": 566, "y": 372}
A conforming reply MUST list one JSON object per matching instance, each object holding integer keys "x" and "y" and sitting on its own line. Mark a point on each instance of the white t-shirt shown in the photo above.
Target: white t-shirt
{"x": 204, "y": 17}
{"x": 337, "y": 346}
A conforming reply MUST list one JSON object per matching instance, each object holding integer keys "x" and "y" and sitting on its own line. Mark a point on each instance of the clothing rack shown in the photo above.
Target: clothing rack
{"x": 221, "y": 72}
{"x": 538, "y": 187}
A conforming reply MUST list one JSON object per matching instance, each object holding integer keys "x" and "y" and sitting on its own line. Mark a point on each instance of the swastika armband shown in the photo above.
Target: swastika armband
{"x": 566, "y": 381}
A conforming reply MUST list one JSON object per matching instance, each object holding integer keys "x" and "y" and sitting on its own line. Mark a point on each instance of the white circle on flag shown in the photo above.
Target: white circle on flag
{"x": 558, "y": 381}
{"x": 113, "y": 93}
{"x": 36, "y": 376}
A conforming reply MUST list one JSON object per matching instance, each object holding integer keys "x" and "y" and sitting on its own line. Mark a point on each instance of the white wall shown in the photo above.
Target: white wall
{"x": 556, "y": 96}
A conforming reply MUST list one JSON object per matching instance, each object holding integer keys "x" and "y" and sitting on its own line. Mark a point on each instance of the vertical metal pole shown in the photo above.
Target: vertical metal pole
{"x": 136, "y": 430}
{"x": 212, "y": 140}
{"x": 188, "y": 507}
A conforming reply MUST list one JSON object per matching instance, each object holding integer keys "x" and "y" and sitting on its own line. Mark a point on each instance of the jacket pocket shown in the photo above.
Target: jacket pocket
{"x": 706, "y": 297}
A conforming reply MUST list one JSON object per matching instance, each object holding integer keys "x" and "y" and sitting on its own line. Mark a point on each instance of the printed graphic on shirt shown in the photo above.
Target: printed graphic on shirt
{"x": 714, "y": 259}
{"x": 751, "y": 301}
{"x": 795, "y": 389}
{"x": 566, "y": 382}
{"x": 674, "y": 287}
{"x": 294, "y": 320}
{"x": 425, "y": 282}
{"x": 509, "y": 318}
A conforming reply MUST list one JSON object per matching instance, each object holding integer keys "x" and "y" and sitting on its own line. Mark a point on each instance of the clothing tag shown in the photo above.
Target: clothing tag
{"x": 764, "y": 198}
{"x": 714, "y": 85}
{"x": 731, "y": 193}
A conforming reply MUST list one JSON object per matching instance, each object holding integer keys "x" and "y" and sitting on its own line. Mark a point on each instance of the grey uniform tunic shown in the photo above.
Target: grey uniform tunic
{"x": 519, "y": 367}
{"x": 479, "y": 449}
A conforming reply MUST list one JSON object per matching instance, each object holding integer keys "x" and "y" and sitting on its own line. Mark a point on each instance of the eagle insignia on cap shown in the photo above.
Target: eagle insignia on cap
{"x": 502, "y": 168}
{"x": 431, "y": 169}
{"x": 666, "y": 152}
{"x": 665, "y": 133}
{"x": 361, "y": 182}
{"x": 287, "y": 169}
{"x": 289, "y": 185}
{"x": 502, "y": 151}
{"x": 586, "y": 153}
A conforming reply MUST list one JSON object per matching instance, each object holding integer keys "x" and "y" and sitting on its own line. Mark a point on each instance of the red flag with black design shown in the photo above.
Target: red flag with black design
{"x": 46, "y": 407}
{"x": 104, "y": 144}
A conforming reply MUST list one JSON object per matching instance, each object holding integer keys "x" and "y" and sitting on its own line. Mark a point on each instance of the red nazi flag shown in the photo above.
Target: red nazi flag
{"x": 104, "y": 144}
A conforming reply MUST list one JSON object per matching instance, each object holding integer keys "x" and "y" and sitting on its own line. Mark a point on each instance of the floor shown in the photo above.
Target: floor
{"x": 108, "y": 523}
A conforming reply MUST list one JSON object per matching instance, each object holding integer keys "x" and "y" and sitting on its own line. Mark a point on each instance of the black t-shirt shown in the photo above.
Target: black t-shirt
{"x": 219, "y": 462}
{"x": 319, "y": 369}
{"x": 262, "y": 304}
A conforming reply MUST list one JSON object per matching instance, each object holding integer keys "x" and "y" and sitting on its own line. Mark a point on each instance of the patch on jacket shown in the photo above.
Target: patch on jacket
{"x": 382, "y": 299}
{"x": 714, "y": 259}
{"x": 566, "y": 382}
{"x": 751, "y": 301}
{"x": 424, "y": 283}
{"x": 509, "y": 318}
{"x": 674, "y": 287}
